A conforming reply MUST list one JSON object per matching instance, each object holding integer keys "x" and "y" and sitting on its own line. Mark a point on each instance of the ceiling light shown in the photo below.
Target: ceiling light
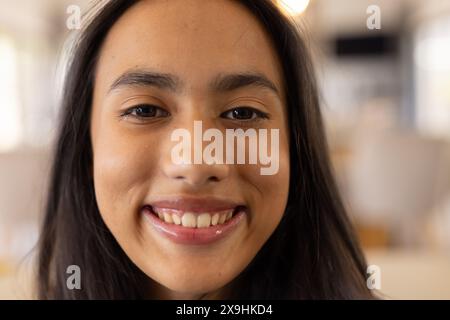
{"x": 294, "y": 7}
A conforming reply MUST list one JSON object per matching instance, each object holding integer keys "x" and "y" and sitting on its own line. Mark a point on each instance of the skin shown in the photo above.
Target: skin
{"x": 132, "y": 157}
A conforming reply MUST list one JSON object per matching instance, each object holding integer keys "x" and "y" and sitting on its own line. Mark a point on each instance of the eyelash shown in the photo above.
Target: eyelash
{"x": 257, "y": 113}
{"x": 131, "y": 112}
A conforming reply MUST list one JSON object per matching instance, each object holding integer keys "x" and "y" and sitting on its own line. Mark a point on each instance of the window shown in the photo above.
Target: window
{"x": 432, "y": 65}
{"x": 10, "y": 115}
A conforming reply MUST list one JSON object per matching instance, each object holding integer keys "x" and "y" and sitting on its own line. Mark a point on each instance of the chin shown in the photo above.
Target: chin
{"x": 193, "y": 285}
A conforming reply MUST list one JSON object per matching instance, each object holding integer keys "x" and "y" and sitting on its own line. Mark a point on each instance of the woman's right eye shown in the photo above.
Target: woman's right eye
{"x": 146, "y": 111}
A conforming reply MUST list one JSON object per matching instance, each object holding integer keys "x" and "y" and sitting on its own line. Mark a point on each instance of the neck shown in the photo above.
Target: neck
{"x": 160, "y": 292}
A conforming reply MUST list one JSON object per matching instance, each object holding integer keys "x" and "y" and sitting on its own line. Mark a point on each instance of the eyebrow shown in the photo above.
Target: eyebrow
{"x": 166, "y": 81}
{"x": 147, "y": 78}
{"x": 230, "y": 82}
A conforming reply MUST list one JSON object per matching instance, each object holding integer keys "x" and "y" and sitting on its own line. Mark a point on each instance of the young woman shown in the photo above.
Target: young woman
{"x": 138, "y": 224}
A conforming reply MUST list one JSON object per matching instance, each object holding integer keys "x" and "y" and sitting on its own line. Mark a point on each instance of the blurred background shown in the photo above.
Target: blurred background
{"x": 383, "y": 69}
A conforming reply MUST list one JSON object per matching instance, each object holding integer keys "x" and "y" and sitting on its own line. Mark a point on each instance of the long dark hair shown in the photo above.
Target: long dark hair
{"x": 313, "y": 253}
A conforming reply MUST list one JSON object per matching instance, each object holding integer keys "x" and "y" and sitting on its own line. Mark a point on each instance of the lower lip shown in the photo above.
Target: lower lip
{"x": 194, "y": 236}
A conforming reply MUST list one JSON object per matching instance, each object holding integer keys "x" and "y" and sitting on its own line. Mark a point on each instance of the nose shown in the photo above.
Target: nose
{"x": 196, "y": 175}
{"x": 193, "y": 173}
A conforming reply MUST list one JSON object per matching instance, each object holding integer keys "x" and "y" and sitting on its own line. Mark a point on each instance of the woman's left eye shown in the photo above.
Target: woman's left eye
{"x": 244, "y": 114}
{"x": 146, "y": 111}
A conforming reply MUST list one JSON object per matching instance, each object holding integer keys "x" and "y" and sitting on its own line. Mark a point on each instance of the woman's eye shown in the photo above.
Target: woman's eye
{"x": 146, "y": 111}
{"x": 244, "y": 114}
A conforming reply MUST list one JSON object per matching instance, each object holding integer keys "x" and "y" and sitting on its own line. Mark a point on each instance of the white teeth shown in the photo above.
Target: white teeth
{"x": 194, "y": 220}
{"x": 203, "y": 220}
{"x": 188, "y": 220}
{"x": 215, "y": 219}
{"x": 168, "y": 217}
{"x": 176, "y": 219}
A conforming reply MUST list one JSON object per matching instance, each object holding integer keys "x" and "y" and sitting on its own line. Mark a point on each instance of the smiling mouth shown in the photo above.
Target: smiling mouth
{"x": 195, "y": 219}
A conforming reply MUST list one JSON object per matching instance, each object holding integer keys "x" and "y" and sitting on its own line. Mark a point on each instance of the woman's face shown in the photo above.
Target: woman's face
{"x": 164, "y": 65}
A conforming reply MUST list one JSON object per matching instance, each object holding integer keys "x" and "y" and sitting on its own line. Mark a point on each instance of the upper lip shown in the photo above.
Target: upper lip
{"x": 205, "y": 204}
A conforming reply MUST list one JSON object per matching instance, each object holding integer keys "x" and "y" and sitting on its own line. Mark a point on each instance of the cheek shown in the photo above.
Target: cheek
{"x": 122, "y": 170}
{"x": 271, "y": 192}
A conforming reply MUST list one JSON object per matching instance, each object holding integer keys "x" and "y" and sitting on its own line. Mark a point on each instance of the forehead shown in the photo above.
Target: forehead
{"x": 194, "y": 39}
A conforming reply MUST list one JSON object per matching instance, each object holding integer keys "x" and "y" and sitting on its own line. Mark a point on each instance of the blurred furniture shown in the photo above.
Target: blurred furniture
{"x": 395, "y": 179}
